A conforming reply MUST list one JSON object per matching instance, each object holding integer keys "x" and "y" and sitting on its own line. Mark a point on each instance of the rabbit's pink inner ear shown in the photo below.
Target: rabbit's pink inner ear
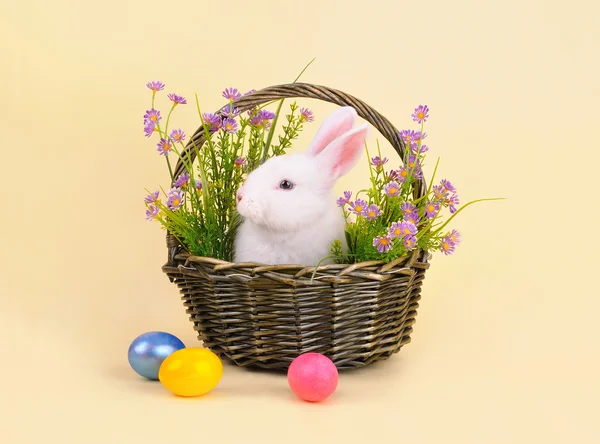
{"x": 336, "y": 124}
{"x": 344, "y": 152}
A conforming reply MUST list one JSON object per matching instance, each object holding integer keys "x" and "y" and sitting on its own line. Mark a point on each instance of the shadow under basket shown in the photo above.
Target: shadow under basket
{"x": 263, "y": 316}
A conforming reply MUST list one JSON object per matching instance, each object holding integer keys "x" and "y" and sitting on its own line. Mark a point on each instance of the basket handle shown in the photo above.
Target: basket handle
{"x": 298, "y": 90}
{"x": 306, "y": 90}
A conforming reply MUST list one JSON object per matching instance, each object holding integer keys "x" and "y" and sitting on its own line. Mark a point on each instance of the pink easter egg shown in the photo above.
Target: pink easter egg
{"x": 313, "y": 377}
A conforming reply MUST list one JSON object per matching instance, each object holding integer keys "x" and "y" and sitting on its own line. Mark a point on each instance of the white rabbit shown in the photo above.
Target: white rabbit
{"x": 288, "y": 206}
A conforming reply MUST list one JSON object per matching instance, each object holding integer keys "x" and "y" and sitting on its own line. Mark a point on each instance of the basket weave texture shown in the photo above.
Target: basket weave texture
{"x": 264, "y": 316}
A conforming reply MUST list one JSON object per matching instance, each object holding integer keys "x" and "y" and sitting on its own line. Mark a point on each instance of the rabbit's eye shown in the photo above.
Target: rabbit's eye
{"x": 286, "y": 185}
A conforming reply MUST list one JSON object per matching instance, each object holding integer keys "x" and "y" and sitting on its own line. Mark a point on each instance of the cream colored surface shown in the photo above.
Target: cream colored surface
{"x": 505, "y": 349}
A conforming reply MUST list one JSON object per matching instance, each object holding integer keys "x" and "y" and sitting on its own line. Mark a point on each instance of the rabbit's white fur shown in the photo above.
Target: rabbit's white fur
{"x": 298, "y": 226}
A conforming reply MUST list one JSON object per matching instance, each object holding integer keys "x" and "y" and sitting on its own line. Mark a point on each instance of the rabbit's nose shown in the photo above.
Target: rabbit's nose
{"x": 239, "y": 196}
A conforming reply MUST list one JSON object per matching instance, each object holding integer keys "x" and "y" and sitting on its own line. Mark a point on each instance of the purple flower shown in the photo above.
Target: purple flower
{"x": 358, "y": 206}
{"x": 262, "y": 119}
{"x": 439, "y": 192}
{"x": 408, "y": 208}
{"x": 213, "y": 121}
{"x": 393, "y": 175}
{"x": 256, "y": 121}
{"x": 177, "y": 100}
{"x": 230, "y": 125}
{"x": 402, "y": 174}
{"x": 394, "y": 230}
{"x": 152, "y": 198}
{"x": 372, "y": 213}
{"x": 152, "y": 115}
{"x": 410, "y": 242}
{"x": 378, "y": 162}
{"x": 410, "y": 212}
{"x": 418, "y": 149}
{"x": 452, "y": 201}
{"x": 447, "y": 247}
{"x": 412, "y": 217}
{"x": 345, "y": 199}
{"x": 231, "y": 94}
{"x": 230, "y": 111}
{"x": 175, "y": 198}
{"x": 417, "y": 173}
{"x": 401, "y": 230}
{"x": 250, "y": 92}
{"x": 152, "y": 212}
{"x": 383, "y": 243}
{"x": 266, "y": 114}
{"x": 241, "y": 161}
{"x": 306, "y": 115}
{"x": 155, "y": 85}
{"x": 149, "y": 128}
{"x": 410, "y": 136}
{"x": 450, "y": 242}
{"x": 199, "y": 185}
{"x": 177, "y": 135}
{"x": 448, "y": 185}
{"x": 414, "y": 167}
{"x": 431, "y": 209}
{"x": 421, "y": 114}
{"x": 392, "y": 189}
{"x": 164, "y": 147}
{"x": 407, "y": 229}
{"x": 182, "y": 180}
{"x": 454, "y": 237}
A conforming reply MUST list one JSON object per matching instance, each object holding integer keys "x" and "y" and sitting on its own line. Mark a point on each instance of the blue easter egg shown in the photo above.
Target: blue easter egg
{"x": 149, "y": 350}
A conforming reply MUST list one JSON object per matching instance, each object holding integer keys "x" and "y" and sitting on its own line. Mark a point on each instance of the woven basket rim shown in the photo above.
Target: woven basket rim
{"x": 294, "y": 274}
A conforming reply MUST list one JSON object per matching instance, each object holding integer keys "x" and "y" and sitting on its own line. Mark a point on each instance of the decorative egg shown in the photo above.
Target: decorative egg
{"x": 313, "y": 377}
{"x": 191, "y": 372}
{"x": 148, "y": 351}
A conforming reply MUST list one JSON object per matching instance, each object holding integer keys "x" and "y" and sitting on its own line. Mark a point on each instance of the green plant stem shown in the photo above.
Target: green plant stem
{"x": 271, "y": 133}
{"x": 190, "y": 169}
{"x": 207, "y": 137}
{"x": 205, "y": 189}
{"x": 321, "y": 261}
{"x": 206, "y": 192}
{"x": 304, "y": 69}
{"x": 169, "y": 166}
{"x": 462, "y": 208}
{"x": 274, "y": 123}
{"x": 371, "y": 174}
{"x": 161, "y": 133}
{"x": 427, "y": 227}
{"x": 262, "y": 146}
{"x": 168, "y": 118}
{"x": 208, "y": 140}
{"x": 433, "y": 177}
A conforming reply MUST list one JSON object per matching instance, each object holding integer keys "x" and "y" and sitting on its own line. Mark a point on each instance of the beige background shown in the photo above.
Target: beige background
{"x": 505, "y": 348}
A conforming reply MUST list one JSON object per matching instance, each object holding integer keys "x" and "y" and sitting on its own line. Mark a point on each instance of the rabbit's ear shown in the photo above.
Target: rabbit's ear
{"x": 336, "y": 124}
{"x": 343, "y": 153}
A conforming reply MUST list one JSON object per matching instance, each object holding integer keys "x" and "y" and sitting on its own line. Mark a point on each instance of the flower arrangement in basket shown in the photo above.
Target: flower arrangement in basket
{"x": 269, "y": 261}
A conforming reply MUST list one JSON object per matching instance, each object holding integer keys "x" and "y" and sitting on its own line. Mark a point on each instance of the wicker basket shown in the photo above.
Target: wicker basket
{"x": 263, "y": 316}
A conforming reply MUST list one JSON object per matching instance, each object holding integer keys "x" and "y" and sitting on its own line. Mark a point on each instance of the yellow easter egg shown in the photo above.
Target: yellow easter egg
{"x": 191, "y": 371}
